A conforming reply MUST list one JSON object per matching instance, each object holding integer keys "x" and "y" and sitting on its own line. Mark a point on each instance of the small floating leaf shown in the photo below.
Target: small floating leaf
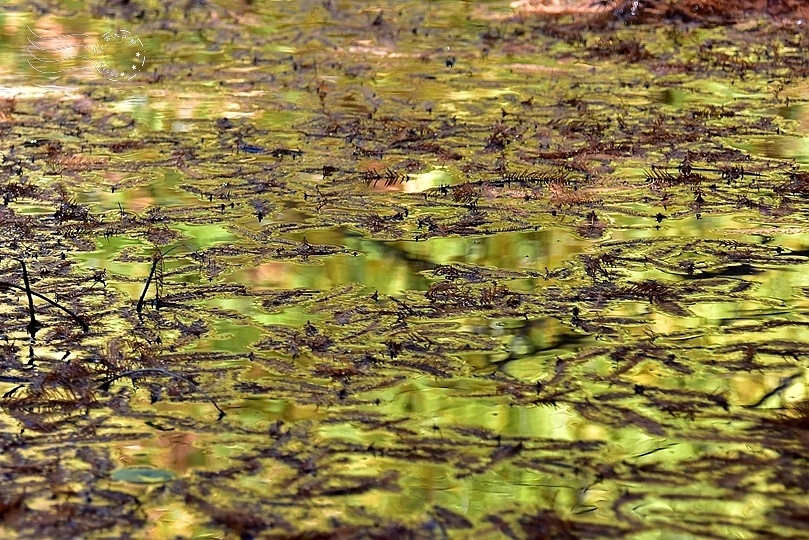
{"x": 142, "y": 475}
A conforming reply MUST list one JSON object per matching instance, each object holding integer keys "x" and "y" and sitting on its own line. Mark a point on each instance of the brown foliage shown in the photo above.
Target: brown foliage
{"x": 703, "y": 11}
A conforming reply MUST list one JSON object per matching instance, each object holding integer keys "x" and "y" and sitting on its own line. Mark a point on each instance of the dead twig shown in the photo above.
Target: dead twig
{"x": 160, "y": 372}
{"x": 34, "y": 325}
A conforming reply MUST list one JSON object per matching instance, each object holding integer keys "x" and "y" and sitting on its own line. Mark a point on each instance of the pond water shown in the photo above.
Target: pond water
{"x": 409, "y": 270}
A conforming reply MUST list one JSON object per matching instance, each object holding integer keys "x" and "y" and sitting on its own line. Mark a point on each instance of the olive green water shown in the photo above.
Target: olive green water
{"x": 447, "y": 274}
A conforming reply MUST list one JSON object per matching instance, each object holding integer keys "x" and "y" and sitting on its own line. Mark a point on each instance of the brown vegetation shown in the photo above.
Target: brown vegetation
{"x": 703, "y": 11}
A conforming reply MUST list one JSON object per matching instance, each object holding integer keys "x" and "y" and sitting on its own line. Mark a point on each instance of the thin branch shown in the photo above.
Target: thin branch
{"x": 34, "y": 325}
{"x": 73, "y": 316}
{"x": 155, "y": 261}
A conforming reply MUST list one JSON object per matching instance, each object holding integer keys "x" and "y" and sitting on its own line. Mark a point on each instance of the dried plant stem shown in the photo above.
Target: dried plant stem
{"x": 79, "y": 321}
{"x": 157, "y": 258}
{"x": 34, "y": 325}
{"x": 155, "y": 262}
